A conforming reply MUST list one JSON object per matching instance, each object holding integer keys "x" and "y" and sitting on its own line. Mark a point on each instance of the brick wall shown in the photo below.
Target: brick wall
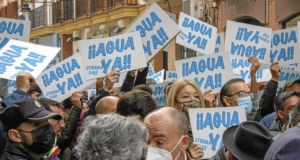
{"x": 66, "y": 47}
{"x": 272, "y": 19}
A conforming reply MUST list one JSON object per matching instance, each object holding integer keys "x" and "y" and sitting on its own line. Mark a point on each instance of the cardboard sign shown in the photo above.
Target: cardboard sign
{"x": 209, "y": 124}
{"x": 209, "y": 72}
{"x": 291, "y": 67}
{"x": 54, "y": 61}
{"x": 91, "y": 92}
{"x": 61, "y": 80}
{"x": 156, "y": 28}
{"x": 287, "y": 75}
{"x": 151, "y": 71}
{"x": 159, "y": 76}
{"x": 241, "y": 69}
{"x": 173, "y": 17}
{"x": 17, "y": 57}
{"x": 124, "y": 52}
{"x": 171, "y": 76}
{"x": 196, "y": 35}
{"x": 220, "y": 44}
{"x": 285, "y": 47}
{"x": 12, "y": 86}
{"x": 159, "y": 93}
{"x": 120, "y": 81}
{"x": 245, "y": 40}
{"x": 14, "y": 29}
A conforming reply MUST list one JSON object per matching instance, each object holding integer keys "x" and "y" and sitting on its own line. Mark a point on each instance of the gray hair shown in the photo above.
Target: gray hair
{"x": 225, "y": 90}
{"x": 181, "y": 120}
{"x": 296, "y": 115}
{"x": 279, "y": 101}
{"x": 112, "y": 137}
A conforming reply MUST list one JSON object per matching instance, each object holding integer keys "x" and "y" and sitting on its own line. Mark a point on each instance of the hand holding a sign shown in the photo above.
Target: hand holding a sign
{"x": 76, "y": 99}
{"x": 209, "y": 98}
{"x": 24, "y": 80}
{"x": 111, "y": 78}
{"x": 255, "y": 65}
{"x": 196, "y": 150}
{"x": 275, "y": 71}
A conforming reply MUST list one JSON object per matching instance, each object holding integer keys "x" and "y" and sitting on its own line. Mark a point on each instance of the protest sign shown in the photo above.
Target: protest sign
{"x": 54, "y": 61}
{"x": 241, "y": 69}
{"x": 159, "y": 76}
{"x": 245, "y": 40}
{"x": 12, "y": 86}
{"x": 120, "y": 81}
{"x": 173, "y": 17}
{"x": 158, "y": 93}
{"x": 209, "y": 72}
{"x": 171, "y": 76}
{"x": 17, "y": 57}
{"x": 61, "y": 80}
{"x": 124, "y": 52}
{"x": 209, "y": 124}
{"x": 156, "y": 28}
{"x": 287, "y": 75}
{"x": 220, "y": 44}
{"x": 91, "y": 92}
{"x": 13, "y": 29}
{"x": 292, "y": 67}
{"x": 150, "y": 70}
{"x": 285, "y": 47}
{"x": 196, "y": 35}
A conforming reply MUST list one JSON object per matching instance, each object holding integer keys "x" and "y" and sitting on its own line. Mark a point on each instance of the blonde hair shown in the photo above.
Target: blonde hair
{"x": 177, "y": 86}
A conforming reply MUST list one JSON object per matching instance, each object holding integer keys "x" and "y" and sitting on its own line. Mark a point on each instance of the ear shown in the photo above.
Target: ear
{"x": 14, "y": 135}
{"x": 226, "y": 101}
{"x": 185, "y": 143}
{"x": 279, "y": 114}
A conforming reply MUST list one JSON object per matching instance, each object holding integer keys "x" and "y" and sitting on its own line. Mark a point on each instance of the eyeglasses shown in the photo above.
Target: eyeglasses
{"x": 242, "y": 94}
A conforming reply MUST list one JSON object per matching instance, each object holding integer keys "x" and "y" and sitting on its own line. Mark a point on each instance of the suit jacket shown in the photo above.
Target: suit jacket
{"x": 286, "y": 146}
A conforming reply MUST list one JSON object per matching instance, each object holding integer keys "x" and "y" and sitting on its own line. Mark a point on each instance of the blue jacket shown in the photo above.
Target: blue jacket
{"x": 286, "y": 146}
{"x": 18, "y": 95}
{"x": 269, "y": 119}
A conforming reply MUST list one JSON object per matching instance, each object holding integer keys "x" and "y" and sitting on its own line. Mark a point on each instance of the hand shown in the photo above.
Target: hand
{"x": 196, "y": 150}
{"x": 255, "y": 65}
{"x": 76, "y": 99}
{"x": 111, "y": 79}
{"x": 275, "y": 71}
{"x": 209, "y": 99}
{"x": 24, "y": 80}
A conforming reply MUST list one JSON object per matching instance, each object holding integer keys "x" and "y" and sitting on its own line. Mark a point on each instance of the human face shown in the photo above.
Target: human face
{"x": 187, "y": 93}
{"x": 234, "y": 89}
{"x": 57, "y": 125}
{"x": 85, "y": 106}
{"x": 294, "y": 87}
{"x": 288, "y": 107}
{"x": 26, "y": 138}
{"x": 165, "y": 134}
{"x": 35, "y": 95}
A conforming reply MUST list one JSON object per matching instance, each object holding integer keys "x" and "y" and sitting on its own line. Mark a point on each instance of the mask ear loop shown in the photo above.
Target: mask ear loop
{"x": 176, "y": 147}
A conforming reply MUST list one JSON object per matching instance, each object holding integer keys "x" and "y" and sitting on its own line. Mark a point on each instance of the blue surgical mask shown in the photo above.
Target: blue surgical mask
{"x": 247, "y": 103}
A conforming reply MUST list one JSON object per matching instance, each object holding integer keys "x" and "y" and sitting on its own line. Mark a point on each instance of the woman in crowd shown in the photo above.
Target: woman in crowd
{"x": 186, "y": 94}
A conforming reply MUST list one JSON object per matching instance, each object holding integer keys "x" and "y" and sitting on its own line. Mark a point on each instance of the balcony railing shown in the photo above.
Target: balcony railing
{"x": 68, "y": 10}
{"x": 81, "y": 8}
{"x": 97, "y": 6}
{"x": 38, "y": 17}
{"x": 57, "y": 15}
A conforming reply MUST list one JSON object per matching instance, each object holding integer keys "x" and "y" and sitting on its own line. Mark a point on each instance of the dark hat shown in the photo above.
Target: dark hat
{"x": 289, "y": 83}
{"x": 248, "y": 141}
{"x": 28, "y": 110}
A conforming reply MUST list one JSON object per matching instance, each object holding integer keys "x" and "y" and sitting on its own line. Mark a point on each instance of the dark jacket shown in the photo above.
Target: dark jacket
{"x": 16, "y": 96}
{"x": 220, "y": 155}
{"x": 14, "y": 151}
{"x": 3, "y": 139}
{"x": 267, "y": 100}
{"x": 131, "y": 82}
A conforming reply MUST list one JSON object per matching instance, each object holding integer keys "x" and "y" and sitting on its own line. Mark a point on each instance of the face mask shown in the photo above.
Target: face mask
{"x": 260, "y": 94}
{"x": 247, "y": 103}
{"x": 190, "y": 104}
{"x": 43, "y": 139}
{"x": 290, "y": 117}
{"x": 158, "y": 154}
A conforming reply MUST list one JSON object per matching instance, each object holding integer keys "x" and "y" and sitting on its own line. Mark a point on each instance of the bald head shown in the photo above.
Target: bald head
{"x": 171, "y": 115}
{"x": 107, "y": 104}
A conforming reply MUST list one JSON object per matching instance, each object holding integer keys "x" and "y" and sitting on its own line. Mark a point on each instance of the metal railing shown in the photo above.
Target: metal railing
{"x": 68, "y": 10}
{"x": 57, "y": 15}
{"x": 37, "y": 17}
{"x": 81, "y": 8}
{"x": 97, "y": 6}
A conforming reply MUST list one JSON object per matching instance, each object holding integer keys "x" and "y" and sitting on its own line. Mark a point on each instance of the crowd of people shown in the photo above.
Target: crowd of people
{"x": 126, "y": 123}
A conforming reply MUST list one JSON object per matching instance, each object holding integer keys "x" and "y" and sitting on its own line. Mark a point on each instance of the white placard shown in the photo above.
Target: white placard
{"x": 17, "y": 57}
{"x": 291, "y": 67}
{"x": 12, "y": 86}
{"x": 156, "y": 28}
{"x": 151, "y": 71}
{"x": 287, "y": 75}
{"x": 14, "y": 29}
{"x": 196, "y": 35}
{"x": 245, "y": 40}
{"x": 159, "y": 76}
{"x": 173, "y": 17}
{"x": 209, "y": 124}
{"x": 158, "y": 93}
{"x": 209, "y": 72}
{"x": 91, "y": 92}
{"x": 285, "y": 47}
{"x": 171, "y": 76}
{"x": 124, "y": 52}
{"x": 61, "y": 80}
{"x": 220, "y": 44}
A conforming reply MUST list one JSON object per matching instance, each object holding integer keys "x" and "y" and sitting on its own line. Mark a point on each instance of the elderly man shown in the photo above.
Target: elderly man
{"x": 168, "y": 129}
{"x": 28, "y": 129}
{"x": 107, "y": 105}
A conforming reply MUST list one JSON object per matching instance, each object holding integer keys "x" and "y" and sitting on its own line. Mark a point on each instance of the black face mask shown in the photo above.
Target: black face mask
{"x": 43, "y": 139}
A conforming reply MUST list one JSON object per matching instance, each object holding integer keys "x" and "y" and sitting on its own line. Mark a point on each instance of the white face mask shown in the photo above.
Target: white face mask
{"x": 158, "y": 154}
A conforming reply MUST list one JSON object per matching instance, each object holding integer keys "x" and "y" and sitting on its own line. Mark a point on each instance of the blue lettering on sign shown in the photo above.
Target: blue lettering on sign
{"x": 158, "y": 90}
{"x": 197, "y": 27}
{"x": 9, "y": 56}
{"x": 160, "y": 100}
{"x": 12, "y": 84}
{"x": 211, "y": 82}
{"x": 11, "y": 28}
{"x": 284, "y": 53}
{"x": 194, "y": 67}
{"x": 103, "y": 49}
{"x": 285, "y": 76}
{"x": 172, "y": 75}
{"x": 118, "y": 62}
{"x": 238, "y": 63}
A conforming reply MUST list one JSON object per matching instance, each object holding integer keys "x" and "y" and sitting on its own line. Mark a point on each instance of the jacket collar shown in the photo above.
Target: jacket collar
{"x": 14, "y": 148}
{"x": 276, "y": 125}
